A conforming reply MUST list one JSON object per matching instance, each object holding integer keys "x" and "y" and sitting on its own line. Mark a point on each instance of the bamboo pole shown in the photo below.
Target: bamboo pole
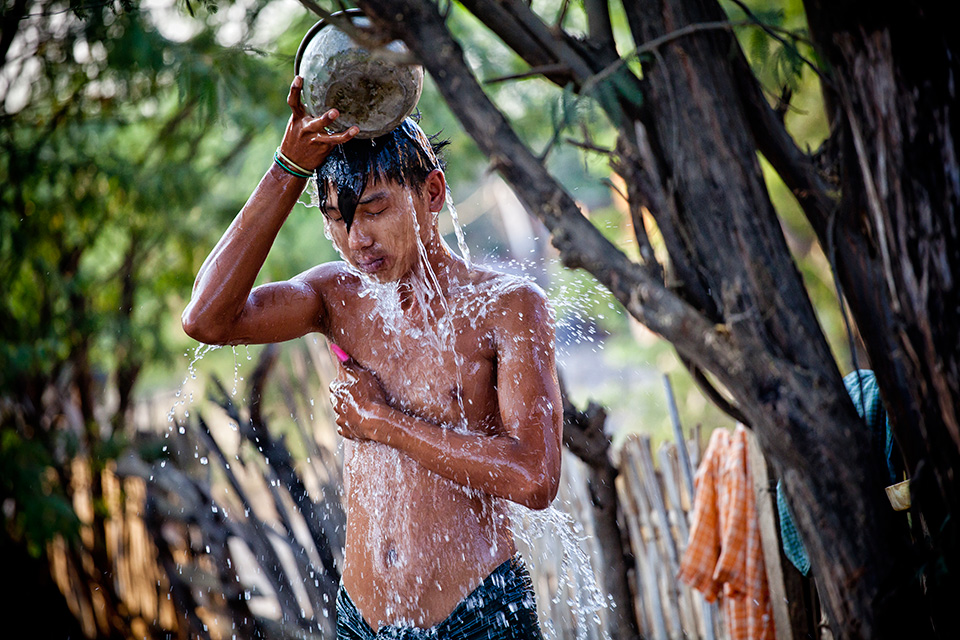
{"x": 690, "y": 613}
{"x": 769, "y": 538}
{"x": 650, "y": 555}
{"x": 688, "y": 464}
{"x": 635, "y": 536}
{"x": 668, "y": 545}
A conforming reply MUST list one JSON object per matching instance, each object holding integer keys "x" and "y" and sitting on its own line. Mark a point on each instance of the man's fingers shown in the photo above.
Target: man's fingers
{"x": 293, "y": 98}
{"x": 340, "y": 138}
{"x": 351, "y": 370}
{"x": 321, "y": 122}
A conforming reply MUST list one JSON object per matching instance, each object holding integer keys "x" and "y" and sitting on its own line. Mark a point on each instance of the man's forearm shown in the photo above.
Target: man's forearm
{"x": 500, "y": 465}
{"x": 227, "y": 276}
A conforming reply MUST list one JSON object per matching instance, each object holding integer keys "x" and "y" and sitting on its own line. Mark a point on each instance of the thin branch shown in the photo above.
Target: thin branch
{"x": 540, "y": 45}
{"x": 258, "y": 381}
{"x": 589, "y": 147}
{"x": 313, "y": 7}
{"x": 542, "y": 70}
{"x": 364, "y": 37}
{"x": 561, "y": 14}
{"x": 75, "y": 9}
{"x": 259, "y": 543}
{"x": 447, "y": 10}
{"x": 713, "y": 393}
{"x": 656, "y": 43}
{"x": 652, "y": 45}
{"x": 795, "y": 168}
{"x": 523, "y": 31}
{"x": 642, "y": 187}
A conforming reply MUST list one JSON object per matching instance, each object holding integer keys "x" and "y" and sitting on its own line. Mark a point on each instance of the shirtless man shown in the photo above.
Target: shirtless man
{"x": 448, "y": 400}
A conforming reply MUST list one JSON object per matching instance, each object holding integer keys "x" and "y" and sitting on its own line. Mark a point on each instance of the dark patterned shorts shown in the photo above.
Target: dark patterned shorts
{"x": 502, "y": 607}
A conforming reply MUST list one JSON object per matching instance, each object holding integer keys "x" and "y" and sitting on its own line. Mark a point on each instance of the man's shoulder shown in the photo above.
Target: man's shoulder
{"x": 334, "y": 285}
{"x": 329, "y": 277}
{"x": 513, "y": 301}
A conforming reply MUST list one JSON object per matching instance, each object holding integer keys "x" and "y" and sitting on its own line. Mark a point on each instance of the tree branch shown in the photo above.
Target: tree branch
{"x": 523, "y": 31}
{"x": 795, "y": 168}
{"x": 713, "y": 393}
{"x": 598, "y": 23}
{"x": 775, "y": 33}
{"x": 583, "y": 432}
{"x": 532, "y": 72}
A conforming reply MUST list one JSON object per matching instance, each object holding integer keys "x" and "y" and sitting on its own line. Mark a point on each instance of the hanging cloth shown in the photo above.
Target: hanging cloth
{"x": 863, "y": 389}
{"x": 724, "y": 557}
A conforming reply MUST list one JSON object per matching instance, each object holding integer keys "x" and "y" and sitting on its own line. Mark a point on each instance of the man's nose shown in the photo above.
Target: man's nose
{"x": 359, "y": 238}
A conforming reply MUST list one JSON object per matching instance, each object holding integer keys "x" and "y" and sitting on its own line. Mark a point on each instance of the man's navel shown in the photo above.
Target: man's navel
{"x": 390, "y": 556}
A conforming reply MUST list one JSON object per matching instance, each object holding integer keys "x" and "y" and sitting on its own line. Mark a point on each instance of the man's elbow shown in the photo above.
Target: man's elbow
{"x": 540, "y": 494}
{"x": 199, "y": 328}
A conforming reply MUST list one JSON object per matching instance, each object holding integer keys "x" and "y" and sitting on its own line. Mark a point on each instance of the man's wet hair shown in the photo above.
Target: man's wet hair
{"x": 405, "y": 156}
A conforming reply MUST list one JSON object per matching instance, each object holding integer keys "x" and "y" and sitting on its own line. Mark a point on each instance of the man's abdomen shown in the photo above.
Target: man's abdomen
{"x": 417, "y": 543}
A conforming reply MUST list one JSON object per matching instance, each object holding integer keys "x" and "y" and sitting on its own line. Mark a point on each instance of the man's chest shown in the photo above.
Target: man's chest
{"x": 444, "y": 371}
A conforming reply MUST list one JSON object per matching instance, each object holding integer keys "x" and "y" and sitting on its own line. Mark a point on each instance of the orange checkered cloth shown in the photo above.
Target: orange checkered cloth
{"x": 723, "y": 555}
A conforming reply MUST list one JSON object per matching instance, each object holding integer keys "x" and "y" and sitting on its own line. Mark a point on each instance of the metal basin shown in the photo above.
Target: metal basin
{"x": 367, "y": 88}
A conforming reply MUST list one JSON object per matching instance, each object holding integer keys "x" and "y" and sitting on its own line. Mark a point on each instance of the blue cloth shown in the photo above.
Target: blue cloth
{"x": 502, "y": 607}
{"x": 865, "y": 393}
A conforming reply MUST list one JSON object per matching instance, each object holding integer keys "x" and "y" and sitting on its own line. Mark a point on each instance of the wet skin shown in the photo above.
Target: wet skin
{"x": 420, "y": 427}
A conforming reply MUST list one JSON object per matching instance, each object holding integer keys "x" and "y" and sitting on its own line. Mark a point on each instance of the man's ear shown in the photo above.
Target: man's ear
{"x": 435, "y": 188}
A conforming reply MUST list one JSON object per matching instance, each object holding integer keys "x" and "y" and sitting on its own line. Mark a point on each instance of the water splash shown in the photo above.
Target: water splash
{"x": 179, "y": 399}
{"x": 577, "y": 299}
{"x": 458, "y": 230}
{"x": 437, "y": 309}
{"x": 574, "y": 572}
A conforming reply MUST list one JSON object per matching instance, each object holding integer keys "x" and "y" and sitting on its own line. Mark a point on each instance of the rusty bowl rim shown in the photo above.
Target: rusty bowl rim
{"x": 315, "y": 29}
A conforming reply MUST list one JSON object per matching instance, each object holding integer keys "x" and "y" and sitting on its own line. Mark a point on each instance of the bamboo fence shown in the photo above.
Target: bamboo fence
{"x": 656, "y": 507}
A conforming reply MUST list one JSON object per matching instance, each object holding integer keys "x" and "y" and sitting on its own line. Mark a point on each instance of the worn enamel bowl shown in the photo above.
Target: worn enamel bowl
{"x": 369, "y": 89}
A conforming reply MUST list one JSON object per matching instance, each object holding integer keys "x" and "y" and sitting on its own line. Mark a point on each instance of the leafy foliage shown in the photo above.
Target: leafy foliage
{"x": 112, "y": 136}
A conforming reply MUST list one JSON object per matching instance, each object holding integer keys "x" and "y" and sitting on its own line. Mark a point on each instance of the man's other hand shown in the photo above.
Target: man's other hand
{"x": 306, "y": 141}
{"x": 356, "y": 394}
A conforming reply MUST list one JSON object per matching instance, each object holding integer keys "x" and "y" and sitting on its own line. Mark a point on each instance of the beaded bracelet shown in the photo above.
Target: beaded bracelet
{"x": 303, "y": 173}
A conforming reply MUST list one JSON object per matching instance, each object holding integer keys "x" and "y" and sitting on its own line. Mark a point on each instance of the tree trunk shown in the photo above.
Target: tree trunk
{"x": 788, "y": 385}
{"x": 893, "y": 98}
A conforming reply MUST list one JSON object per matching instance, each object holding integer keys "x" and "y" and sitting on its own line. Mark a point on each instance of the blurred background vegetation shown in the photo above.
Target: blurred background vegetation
{"x": 131, "y": 134}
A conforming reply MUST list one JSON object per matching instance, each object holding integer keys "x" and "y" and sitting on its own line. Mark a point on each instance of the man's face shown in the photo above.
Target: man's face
{"x": 382, "y": 240}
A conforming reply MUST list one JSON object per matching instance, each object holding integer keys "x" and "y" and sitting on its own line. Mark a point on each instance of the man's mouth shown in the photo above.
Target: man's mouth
{"x": 372, "y": 265}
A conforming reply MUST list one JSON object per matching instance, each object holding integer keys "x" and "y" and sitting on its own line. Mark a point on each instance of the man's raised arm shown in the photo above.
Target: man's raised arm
{"x": 523, "y": 463}
{"x": 224, "y": 307}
